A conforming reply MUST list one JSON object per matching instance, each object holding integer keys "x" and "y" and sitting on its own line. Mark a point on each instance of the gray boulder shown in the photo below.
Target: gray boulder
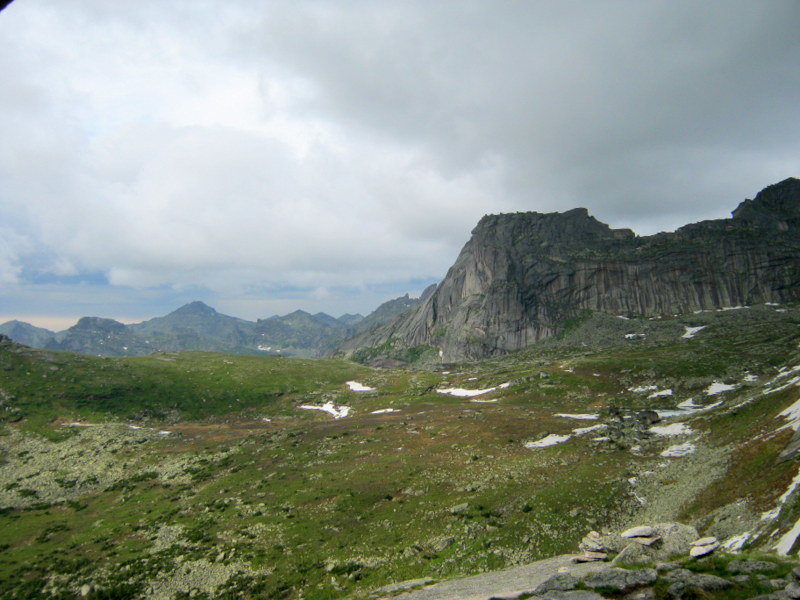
{"x": 792, "y": 590}
{"x": 675, "y": 540}
{"x": 621, "y": 580}
{"x": 562, "y": 582}
{"x": 699, "y": 581}
{"x": 750, "y": 566}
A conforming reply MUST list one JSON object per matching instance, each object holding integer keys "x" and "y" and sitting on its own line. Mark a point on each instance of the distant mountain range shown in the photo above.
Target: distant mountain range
{"x": 197, "y": 326}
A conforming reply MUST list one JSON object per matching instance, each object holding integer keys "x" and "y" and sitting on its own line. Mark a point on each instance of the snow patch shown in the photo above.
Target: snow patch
{"x": 643, "y": 388}
{"x": 550, "y": 440}
{"x": 771, "y": 514}
{"x": 484, "y": 401}
{"x": 359, "y": 387}
{"x": 462, "y": 393}
{"x": 581, "y": 416}
{"x": 583, "y": 430}
{"x": 660, "y": 394}
{"x": 679, "y": 450}
{"x": 338, "y": 412}
{"x": 692, "y": 331}
{"x": 788, "y": 539}
{"x": 793, "y": 414}
{"x": 718, "y": 387}
{"x": 671, "y": 429}
{"x": 736, "y": 542}
{"x": 384, "y": 410}
{"x": 635, "y": 336}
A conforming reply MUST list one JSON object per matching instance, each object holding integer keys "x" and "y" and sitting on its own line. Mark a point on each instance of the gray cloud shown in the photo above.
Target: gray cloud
{"x": 265, "y": 154}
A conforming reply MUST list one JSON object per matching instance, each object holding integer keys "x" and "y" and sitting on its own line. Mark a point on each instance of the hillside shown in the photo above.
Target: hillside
{"x": 225, "y": 476}
{"x": 522, "y": 276}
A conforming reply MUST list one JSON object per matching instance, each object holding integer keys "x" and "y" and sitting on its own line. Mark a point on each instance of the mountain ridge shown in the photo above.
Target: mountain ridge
{"x": 198, "y": 326}
{"x": 522, "y": 276}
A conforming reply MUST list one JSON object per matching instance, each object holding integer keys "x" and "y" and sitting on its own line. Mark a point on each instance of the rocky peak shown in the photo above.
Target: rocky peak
{"x": 776, "y": 206}
{"x": 571, "y": 228}
{"x": 97, "y": 324}
{"x": 197, "y": 308}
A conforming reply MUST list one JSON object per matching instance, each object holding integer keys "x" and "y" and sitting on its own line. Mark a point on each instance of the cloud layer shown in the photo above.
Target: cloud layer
{"x": 270, "y": 156}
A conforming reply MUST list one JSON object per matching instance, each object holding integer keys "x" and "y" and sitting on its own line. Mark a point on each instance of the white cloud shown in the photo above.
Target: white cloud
{"x": 235, "y": 146}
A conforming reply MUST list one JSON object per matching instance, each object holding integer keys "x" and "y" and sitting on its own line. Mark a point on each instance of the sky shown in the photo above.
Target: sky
{"x": 268, "y": 156}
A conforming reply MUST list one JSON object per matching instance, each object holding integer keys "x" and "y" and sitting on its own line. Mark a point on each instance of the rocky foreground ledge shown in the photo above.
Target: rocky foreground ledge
{"x": 663, "y": 561}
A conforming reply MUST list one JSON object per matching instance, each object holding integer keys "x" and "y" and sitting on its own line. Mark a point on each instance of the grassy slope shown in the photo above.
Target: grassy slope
{"x": 307, "y": 505}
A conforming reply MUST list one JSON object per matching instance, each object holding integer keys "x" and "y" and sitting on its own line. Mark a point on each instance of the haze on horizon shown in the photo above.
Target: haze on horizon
{"x": 267, "y": 157}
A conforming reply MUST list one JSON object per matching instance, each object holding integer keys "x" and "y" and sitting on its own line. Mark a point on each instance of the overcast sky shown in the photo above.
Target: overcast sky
{"x": 267, "y": 156}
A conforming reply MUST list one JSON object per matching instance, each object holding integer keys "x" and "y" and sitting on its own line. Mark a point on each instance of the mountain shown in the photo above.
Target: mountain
{"x": 197, "y": 326}
{"x": 94, "y": 335}
{"x": 521, "y": 277}
{"x": 391, "y": 309}
{"x": 299, "y": 333}
{"x": 351, "y": 319}
{"x": 27, "y": 334}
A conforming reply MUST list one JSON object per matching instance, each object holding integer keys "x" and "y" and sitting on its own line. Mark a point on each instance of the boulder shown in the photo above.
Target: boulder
{"x": 706, "y": 541}
{"x": 750, "y": 566}
{"x": 700, "y": 581}
{"x": 698, "y": 551}
{"x": 560, "y": 581}
{"x": 588, "y": 556}
{"x": 620, "y": 580}
{"x": 640, "y": 531}
{"x": 646, "y": 541}
{"x": 648, "y": 417}
{"x": 792, "y": 590}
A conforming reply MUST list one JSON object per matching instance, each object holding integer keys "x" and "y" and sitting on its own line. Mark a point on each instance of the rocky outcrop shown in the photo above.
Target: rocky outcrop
{"x": 522, "y": 276}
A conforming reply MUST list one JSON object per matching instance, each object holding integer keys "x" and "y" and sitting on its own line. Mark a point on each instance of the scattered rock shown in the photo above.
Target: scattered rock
{"x": 459, "y": 508}
{"x": 593, "y": 542}
{"x": 698, "y": 551}
{"x": 647, "y": 593}
{"x": 706, "y": 541}
{"x": 640, "y": 531}
{"x": 648, "y": 417}
{"x": 589, "y": 556}
{"x": 86, "y": 589}
{"x": 646, "y": 541}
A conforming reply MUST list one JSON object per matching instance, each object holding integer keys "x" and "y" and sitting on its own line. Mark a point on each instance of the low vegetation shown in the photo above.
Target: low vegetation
{"x": 206, "y": 475}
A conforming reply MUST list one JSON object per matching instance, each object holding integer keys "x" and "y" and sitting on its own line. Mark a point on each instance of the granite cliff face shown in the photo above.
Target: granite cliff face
{"x": 521, "y": 276}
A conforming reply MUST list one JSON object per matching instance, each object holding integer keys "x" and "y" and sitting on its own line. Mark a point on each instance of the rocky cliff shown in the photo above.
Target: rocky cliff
{"x": 522, "y": 276}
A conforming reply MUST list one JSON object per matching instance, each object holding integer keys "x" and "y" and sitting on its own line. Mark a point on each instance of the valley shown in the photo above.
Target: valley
{"x": 207, "y": 475}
